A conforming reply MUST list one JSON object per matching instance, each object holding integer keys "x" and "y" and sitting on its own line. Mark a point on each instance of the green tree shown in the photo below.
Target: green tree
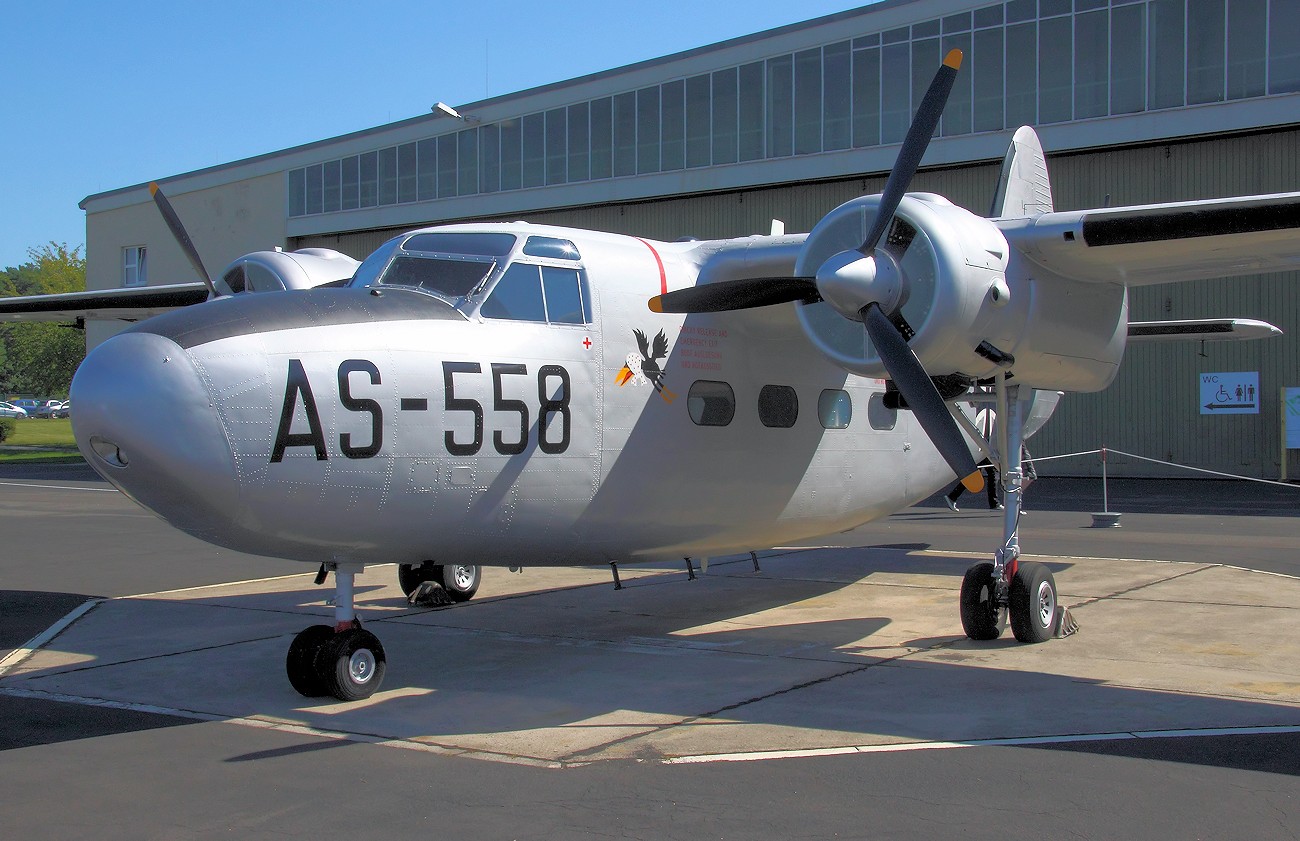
{"x": 40, "y": 358}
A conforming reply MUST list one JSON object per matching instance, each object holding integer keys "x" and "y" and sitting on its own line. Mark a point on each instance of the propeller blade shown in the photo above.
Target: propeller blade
{"x": 921, "y": 395}
{"x": 182, "y": 236}
{"x": 737, "y": 295}
{"x": 914, "y": 145}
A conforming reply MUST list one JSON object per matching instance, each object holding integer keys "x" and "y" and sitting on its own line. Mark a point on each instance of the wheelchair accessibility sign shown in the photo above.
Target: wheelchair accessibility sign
{"x": 1233, "y": 393}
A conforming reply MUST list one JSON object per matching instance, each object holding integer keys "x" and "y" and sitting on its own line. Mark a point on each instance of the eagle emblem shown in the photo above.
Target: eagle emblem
{"x": 640, "y": 368}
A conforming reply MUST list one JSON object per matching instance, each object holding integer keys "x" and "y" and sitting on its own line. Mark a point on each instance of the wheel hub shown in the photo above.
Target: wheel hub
{"x": 1046, "y": 604}
{"x": 361, "y": 666}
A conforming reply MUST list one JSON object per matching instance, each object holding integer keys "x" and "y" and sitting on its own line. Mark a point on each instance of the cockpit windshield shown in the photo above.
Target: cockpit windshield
{"x": 448, "y": 263}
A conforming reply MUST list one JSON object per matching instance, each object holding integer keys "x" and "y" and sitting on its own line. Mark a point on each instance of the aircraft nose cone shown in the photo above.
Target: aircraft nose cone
{"x": 145, "y": 422}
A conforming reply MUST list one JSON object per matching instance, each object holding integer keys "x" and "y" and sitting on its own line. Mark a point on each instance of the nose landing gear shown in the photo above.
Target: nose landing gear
{"x": 345, "y": 660}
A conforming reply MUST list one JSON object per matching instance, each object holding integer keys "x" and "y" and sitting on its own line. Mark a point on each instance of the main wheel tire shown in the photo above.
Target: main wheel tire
{"x": 353, "y": 664}
{"x": 1033, "y": 602}
{"x": 300, "y": 664}
{"x": 981, "y": 617}
{"x": 460, "y": 581}
{"x": 410, "y": 577}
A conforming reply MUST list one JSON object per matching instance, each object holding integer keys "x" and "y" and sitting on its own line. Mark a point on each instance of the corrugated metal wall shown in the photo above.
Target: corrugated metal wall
{"x": 1152, "y": 408}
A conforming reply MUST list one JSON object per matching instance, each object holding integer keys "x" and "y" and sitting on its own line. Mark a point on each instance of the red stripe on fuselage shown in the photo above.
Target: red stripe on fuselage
{"x": 663, "y": 277}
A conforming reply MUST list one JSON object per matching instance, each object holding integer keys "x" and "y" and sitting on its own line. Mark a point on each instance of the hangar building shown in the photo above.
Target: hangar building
{"x": 1136, "y": 101}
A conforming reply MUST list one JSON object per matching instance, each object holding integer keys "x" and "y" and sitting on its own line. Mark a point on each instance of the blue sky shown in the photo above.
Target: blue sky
{"x": 106, "y": 95}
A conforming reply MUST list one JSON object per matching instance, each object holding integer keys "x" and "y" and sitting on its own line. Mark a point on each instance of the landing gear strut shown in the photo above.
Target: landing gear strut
{"x": 1023, "y": 589}
{"x": 345, "y": 660}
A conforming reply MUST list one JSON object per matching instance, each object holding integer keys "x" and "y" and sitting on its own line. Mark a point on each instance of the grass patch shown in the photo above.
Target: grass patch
{"x": 52, "y": 435}
{"x": 10, "y": 456}
{"x": 42, "y": 432}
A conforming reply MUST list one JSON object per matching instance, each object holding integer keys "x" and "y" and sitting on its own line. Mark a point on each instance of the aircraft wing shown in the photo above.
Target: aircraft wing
{"x": 1162, "y": 243}
{"x": 124, "y": 304}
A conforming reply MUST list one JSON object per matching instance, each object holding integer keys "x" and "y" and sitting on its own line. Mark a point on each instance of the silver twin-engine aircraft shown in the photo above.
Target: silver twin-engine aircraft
{"x": 502, "y": 394}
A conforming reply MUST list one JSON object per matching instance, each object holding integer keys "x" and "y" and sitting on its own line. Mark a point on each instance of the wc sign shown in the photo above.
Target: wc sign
{"x": 1232, "y": 393}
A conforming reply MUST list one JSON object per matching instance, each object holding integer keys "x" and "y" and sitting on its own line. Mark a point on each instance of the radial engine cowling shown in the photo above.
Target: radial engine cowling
{"x": 952, "y": 270}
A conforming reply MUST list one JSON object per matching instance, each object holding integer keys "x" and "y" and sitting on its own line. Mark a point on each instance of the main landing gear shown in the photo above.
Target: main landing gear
{"x": 460, "y": 581}
{"x": 1023, "y": 589}
{"x": 343, "y": 660}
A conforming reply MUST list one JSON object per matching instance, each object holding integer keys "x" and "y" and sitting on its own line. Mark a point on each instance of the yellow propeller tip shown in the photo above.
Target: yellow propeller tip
{"x": 974, "y": 482}
{"x": 953, "y": 59}
{"x": 153, "y": 187}
{"x": 655, "y": 304}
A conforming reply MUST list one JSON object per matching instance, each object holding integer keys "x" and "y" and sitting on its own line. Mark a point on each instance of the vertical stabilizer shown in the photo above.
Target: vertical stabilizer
{"x": 1024, "y": 188}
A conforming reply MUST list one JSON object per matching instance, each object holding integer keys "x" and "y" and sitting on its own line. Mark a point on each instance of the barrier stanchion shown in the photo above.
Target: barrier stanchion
{"x": 1105, "y": 519}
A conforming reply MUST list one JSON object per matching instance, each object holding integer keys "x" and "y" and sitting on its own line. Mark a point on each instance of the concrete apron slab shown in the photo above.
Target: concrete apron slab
{"x": 823, "y": 649}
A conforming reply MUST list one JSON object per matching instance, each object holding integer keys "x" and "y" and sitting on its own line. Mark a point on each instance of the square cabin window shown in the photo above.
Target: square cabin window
{"x": 133, "y": 266}
{"x": 835, "y": 409}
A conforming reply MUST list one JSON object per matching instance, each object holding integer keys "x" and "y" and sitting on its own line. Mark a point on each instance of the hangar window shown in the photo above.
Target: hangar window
{"x": 133, "y": 266}
{"x": 778, "y": 406}
{"x": 711, "y": 403}
{"x": 835, "y": 409}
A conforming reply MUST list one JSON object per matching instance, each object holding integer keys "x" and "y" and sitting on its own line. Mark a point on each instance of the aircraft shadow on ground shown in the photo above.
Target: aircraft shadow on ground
{"x": 690, "y": 660}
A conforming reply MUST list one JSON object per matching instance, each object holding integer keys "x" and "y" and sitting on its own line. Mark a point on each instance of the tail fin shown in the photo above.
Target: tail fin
{"x": 1024, "y": 188}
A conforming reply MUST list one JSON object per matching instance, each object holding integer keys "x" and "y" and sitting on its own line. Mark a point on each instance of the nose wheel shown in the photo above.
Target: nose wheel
{"x": 345, "y": 660}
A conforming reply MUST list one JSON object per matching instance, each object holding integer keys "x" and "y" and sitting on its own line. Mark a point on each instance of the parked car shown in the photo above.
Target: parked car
{"x": 9, "y": 410}
{"x": 64, "y": 411}
{"x": 48, "y": 409}
{"x": 28, "y": 405}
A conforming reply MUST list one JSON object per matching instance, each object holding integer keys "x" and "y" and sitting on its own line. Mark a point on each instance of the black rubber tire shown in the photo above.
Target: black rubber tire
{"x": 300, "y": 664}
{"x": 352, "y": 664}
{"x": 410, "y": 577}
{"x": 981, "y": 617}
{"x": 1033, "y": 602}
{"x": 460, "y": 580}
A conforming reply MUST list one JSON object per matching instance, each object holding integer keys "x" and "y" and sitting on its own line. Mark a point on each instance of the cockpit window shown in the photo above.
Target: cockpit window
{"x": 369, "y": 270}
{"x": 564, "y": 299}
{"x": 556, "y": 249}
{"x": 468, "y": 242}
{"x": 517, "y": 295}
{"x": 235, "y": 278}
{"x": 450, "y": 276}
{"x": 528, "y": 292}
{"x": 262, "y": 279}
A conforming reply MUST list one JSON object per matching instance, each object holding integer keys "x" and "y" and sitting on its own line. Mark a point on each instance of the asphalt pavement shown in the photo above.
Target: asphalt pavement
{"x": 83, "y": 766}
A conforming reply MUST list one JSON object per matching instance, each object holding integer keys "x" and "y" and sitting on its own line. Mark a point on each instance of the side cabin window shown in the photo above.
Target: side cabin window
{"x": 778, "y": 406}
{"x": 711, "y": 403}
{"x": 835, "y": 409}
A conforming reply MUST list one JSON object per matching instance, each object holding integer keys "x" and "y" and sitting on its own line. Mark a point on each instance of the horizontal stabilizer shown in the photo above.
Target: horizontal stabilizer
{"x": 124, "y": 304}
{"x": 1205, "y": 329}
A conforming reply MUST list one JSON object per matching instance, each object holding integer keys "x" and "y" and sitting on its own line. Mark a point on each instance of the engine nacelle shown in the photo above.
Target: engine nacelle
{"x": 274, "y": 271}
{"x": 969, "y": 306}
